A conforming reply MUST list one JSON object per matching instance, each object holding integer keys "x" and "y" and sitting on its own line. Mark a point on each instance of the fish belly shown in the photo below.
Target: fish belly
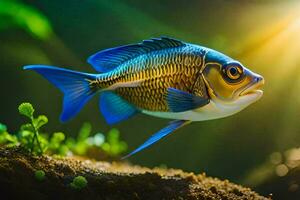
{"x": 208, "y": 112}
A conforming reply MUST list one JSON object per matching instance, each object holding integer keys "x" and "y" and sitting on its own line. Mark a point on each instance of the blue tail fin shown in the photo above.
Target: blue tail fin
{"x": 75, "y": 86}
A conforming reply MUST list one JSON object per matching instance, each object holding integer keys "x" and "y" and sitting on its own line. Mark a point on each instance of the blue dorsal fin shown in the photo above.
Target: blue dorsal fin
{"x": 109, "y": 59}
{"x": 173, "y": 125}
{"x": 114, "y": 108}
{"x": 180, "y": 101}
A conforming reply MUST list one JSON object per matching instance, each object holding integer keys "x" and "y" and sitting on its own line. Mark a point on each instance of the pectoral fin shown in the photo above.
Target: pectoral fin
{"x": 174, "y": 125}
{"x": 114, "y": 108}
{"x": 179, "y": 101}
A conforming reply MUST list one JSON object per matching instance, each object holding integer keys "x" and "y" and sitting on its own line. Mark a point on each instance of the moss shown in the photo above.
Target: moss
{"x": 39, "y": 175}
{"x": 79, "y": 182}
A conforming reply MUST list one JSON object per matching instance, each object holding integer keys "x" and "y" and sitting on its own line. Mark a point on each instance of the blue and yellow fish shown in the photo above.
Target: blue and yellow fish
{"x": 162, "y": 77}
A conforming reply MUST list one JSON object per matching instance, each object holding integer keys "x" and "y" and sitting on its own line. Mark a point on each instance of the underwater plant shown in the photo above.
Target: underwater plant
{"x": 30, "y": 131}
{"x": 16, "y": 14}
{"x": 79, "y": 182}
{"x": 33, "y": 140}
{"x": 39, "y": 175}
{"x": 6, "y": 138}
{"x": 113, "y": 146}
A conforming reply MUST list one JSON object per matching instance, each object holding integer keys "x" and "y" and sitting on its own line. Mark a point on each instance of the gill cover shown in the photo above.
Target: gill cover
{"x": 227, "y": 80}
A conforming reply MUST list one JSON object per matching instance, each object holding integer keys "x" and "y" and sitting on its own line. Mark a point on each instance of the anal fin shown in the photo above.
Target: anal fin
{"x": 173, "y": 125}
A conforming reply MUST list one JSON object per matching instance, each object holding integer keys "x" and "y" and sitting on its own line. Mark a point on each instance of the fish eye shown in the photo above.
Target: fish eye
{"x": 233, "y": 72}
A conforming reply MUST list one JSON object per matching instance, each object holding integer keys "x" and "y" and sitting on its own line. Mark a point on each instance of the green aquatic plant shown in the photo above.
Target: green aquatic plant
{"x": 79, "y": 182}
{"x": 80, "y": 145}
{"x": 39, "y": 175}
{"x": 113, "y": 146}
{"x": 32, "y": 139}
{"x": 56, "y": 144}
{"x": 6, "y": 138}
{"x": 30, "y": 131}
{"x": 13, "y": 13}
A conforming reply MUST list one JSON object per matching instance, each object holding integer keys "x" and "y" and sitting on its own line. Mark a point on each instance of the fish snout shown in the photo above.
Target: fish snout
{"x": 255, "y": 85}
{"x": 259, "y": 80}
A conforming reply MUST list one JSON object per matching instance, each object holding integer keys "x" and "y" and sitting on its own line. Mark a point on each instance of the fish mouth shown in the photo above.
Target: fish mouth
{"x": 254, "y": 87}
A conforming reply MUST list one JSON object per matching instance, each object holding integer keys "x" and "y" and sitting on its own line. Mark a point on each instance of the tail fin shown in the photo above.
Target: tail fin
{"x": 74, "y": 85}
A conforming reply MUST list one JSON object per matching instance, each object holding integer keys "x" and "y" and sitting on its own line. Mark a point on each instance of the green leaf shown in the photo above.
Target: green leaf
{"x": 113, "y": 136}
{"x": 17, "y": 14}
{"x": 25, "y": 139}
{"x": 8, "y": 139}
{"x": 26, "y": 109}
{"x": 55, "y": 141}
{"x": 40, "y": 121}
{"x": 58, "y": 137}
{"x": 26, "y": 127}
{"x": 70, "y": 142}
{"x": 63, "y": 150}
{"x": 113, "y": 146}
{"x": 80, "y": 148}
{"x": 11, "y": 138}
{"x": 84, "y": 131}
{"x": 25, "y": 134}
{"x": 44, "y": 145}
{"x": 3, "y": 128}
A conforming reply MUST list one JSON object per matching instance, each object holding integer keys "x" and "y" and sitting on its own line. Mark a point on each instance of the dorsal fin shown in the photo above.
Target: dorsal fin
{"x": 109, "y": 59}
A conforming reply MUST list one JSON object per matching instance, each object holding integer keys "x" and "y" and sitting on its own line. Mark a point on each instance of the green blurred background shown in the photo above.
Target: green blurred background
{"x": 263, "y": 34}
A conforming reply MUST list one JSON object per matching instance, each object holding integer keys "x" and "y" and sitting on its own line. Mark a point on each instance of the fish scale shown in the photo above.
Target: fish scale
{"x": 158, "y": 72}
{"x": 168, "y": 67}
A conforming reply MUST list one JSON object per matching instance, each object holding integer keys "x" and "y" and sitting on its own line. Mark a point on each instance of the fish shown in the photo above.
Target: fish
{"x": 162, "y": 77}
